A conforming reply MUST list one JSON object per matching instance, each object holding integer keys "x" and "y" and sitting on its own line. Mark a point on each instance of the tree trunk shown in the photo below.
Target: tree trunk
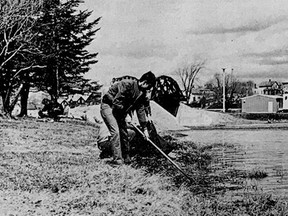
{"x": 9, "y": 102}
{"x": 57, "y": 84}
{"x": 6, "y": 105}
{"x": 1, "y": 107}
{"x": 24, "y": 99}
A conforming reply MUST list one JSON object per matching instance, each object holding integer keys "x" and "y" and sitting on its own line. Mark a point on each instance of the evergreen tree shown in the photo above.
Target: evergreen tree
{"x": 63, "y": 36}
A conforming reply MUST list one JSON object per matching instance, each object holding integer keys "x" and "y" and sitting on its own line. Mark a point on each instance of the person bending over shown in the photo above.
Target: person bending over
{"x": 121, "y": 99}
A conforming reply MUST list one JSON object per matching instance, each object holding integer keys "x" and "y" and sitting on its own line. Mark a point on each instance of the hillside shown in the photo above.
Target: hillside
{"x": 53, "y": 168}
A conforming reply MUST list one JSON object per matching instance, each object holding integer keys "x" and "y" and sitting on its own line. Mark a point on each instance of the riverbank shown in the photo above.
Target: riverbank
{"x": 251, "y": 125}
{"x": 53, "y": 168}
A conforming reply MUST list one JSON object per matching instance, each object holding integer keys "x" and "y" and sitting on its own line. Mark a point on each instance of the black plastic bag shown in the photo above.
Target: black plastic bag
{"x": 142, "y": 147}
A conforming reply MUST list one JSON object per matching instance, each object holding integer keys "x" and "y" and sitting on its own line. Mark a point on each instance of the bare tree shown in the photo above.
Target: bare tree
{"x": 16, "y": 22}
{"x": 17, "y": 18}
{"x": 234, "y": 89}
{"x": 188, "y": 75}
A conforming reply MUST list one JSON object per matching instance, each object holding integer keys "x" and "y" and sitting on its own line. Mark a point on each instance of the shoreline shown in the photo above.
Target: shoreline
{"x": 252, "y": 126}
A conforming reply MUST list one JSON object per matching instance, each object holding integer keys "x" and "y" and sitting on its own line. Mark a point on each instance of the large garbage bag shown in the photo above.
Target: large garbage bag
{"x": 142, "y": 147}
{"x": 138, "y": 145}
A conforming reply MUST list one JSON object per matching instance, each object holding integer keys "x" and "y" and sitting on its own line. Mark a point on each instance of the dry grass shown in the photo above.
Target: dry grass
{"x": 54, "y": 169}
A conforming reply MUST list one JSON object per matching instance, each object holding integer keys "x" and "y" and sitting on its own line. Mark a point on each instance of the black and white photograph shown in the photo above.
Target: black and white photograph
{"x": 143, "y": 107}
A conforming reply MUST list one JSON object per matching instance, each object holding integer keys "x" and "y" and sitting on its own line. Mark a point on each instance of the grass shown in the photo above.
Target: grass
{"x": 54, "y": 169}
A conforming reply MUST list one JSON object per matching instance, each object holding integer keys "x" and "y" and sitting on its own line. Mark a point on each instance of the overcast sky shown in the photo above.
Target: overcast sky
{"x": 250, "y": 36}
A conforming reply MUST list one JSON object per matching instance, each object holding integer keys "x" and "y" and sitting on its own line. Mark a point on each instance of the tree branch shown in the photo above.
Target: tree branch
{"x": 26, "y": 68}
{"x": 9, "y": 58}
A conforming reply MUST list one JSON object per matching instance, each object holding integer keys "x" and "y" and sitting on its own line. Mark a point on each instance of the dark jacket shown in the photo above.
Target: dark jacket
{"x": 125, "y": 97}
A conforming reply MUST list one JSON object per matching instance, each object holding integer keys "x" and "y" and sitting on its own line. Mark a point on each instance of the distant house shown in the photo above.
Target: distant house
{"x": 285, "y": 101}
{"x": 270, "y": 88}
{"x": 76, "y": 100}
{"x": 63, "y": 101}
{"x": 262, "y": 103}
{"x": 285, "y": 96}
{"x": 285, "y": 87}
{"x": 200, "y": 93}
{"x": 196, "y": 96}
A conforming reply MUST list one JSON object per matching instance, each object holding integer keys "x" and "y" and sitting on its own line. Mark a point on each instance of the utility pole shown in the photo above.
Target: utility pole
{"x": 223, "y": 89}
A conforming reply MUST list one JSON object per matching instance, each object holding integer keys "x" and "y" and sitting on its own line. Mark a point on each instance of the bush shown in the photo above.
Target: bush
{"x": 263, "y": 116}
{"x": 195, "y": 104}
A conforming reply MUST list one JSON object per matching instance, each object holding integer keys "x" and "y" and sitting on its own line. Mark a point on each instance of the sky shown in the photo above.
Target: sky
{"x": 136, "y": 36}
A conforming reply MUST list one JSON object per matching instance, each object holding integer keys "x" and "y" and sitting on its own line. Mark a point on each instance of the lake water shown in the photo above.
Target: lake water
{"x": 265, "y": 150}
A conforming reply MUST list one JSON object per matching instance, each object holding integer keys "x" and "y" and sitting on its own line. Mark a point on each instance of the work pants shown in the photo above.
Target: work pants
{"x": 117, "y": 127}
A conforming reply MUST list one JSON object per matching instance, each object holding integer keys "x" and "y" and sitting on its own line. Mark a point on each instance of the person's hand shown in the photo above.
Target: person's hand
{"x": 149, "y": 119}
{"x": 146, "y": 134}
{"x": 128, "y": 119}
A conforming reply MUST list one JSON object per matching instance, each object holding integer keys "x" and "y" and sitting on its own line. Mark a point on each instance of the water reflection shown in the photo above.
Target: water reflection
{"x": 246, "y": 150}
